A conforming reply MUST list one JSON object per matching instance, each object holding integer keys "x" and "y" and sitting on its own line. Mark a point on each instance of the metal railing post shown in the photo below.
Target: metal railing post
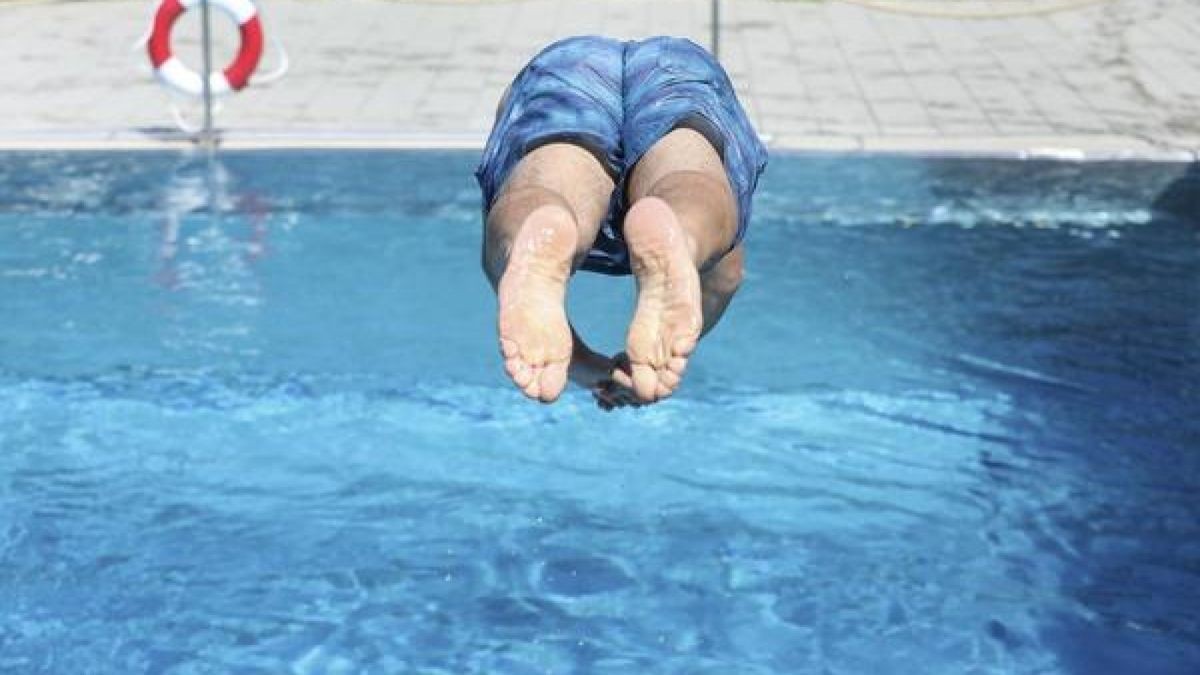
{"x": 716, "y": 28}
{"x": 206, "y": 137}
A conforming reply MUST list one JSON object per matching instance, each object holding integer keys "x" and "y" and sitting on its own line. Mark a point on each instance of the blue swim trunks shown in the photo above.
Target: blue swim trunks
{"x": 617, "y": 99}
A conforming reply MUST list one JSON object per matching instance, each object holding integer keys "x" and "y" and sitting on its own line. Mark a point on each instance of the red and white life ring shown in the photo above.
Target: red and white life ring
{"x": 171, "y": 70}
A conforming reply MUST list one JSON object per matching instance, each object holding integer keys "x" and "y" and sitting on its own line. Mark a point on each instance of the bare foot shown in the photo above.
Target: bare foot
{"x": 535, "y": 338}
{"x": 594, "y": 371}
{"x": 666, "y": 324}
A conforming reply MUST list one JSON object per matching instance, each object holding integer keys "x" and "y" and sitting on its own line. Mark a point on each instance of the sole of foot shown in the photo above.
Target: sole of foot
{"x": 666, "y": 324}
{"x": 535, "y": 338}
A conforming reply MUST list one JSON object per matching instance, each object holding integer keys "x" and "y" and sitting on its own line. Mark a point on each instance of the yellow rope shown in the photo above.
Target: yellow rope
{"x": 941, "y": 11}
{"x": 458, "y": 2}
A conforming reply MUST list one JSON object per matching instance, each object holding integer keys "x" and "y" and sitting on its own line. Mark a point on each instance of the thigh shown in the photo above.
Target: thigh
{"x": 671, "y": 84}
{"x": 680, "y": 150}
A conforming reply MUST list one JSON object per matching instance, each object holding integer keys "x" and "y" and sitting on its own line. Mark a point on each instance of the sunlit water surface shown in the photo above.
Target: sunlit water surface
{"x": 252, "y": 419}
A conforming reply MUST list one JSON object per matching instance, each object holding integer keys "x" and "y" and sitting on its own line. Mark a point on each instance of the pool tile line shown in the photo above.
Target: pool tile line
{"x": 1077, "y": 148}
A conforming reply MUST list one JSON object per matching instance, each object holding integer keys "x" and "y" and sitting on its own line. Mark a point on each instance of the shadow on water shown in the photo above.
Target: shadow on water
{"x": 1100, "y": 344}
{"x": 1132, "y": 571}
{"x": 1181, "y": 198}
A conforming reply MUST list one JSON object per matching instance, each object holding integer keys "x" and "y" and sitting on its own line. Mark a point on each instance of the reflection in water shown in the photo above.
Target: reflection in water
{"x": 212, "y": 235}
{"x": 204, "y": 186}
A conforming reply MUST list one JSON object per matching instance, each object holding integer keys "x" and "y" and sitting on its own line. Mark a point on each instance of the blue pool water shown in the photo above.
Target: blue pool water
{"x": 252, "y": 419}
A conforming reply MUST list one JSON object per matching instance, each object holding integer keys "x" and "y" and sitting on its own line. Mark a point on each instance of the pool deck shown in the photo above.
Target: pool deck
{"x": 1111, "y": 78}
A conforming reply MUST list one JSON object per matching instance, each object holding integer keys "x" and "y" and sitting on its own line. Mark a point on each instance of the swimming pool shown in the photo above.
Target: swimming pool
{"x": 252, "y": 419}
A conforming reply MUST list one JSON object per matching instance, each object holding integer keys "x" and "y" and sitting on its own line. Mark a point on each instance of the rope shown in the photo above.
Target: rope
{"x": 181, "y": 122}
{"x": 465, "y": 3}
{"x": 279, "y": 72}
{"x": 940, "y": 10}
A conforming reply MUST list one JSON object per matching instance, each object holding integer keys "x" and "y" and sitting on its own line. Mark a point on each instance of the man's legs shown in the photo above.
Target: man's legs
{"x": 538, "y": 231}
{"x": 681, "y": 224}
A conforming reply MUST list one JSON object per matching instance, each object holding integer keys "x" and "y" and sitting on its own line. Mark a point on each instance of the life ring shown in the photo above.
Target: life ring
{"x": 174, "y": 74}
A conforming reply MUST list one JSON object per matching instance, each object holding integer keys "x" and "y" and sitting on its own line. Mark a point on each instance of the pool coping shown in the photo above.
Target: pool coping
{"x": 1067, "y": 148}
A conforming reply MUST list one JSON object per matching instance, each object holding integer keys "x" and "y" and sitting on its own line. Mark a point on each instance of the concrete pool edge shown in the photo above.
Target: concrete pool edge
{"x": 1067, "y": 148}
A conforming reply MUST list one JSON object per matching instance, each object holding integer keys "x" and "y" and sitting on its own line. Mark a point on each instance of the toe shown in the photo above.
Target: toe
{"x": 509, "y": 348}
{"x": 621, "y": 374}
{"x": 669, "y": 378}
{"x": 551, "y": 381}
{"x": 533, "y": 388}
{"x": 519, "y": 371}
{"x": 645, "y": 382}
{"x": 623, "y": 378}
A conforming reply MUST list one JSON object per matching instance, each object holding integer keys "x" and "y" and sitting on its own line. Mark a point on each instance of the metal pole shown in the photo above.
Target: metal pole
{"x": 716, "y": 28}
{"x": 206, "y": 138}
